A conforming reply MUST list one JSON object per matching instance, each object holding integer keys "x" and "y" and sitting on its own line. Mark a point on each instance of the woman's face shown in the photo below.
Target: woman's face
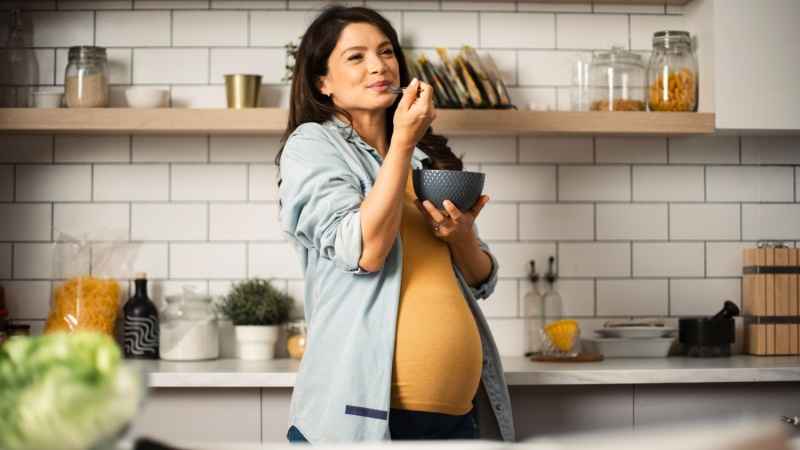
{"x": 361, "y": 69}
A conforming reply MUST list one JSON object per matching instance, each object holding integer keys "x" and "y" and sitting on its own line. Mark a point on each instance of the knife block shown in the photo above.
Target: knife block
{"x": 770, "y": 300}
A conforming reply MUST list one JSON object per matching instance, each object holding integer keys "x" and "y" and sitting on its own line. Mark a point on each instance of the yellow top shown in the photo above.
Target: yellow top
{"x": 438, "y": 356}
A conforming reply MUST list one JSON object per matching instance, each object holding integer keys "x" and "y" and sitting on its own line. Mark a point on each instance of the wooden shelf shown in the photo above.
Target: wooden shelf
{"x": 272, "y": 121}
{"x": 601, "y": 2}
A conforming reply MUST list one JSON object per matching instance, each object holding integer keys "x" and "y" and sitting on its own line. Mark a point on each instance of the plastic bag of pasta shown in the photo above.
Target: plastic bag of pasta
{"x": 94, "y": 283}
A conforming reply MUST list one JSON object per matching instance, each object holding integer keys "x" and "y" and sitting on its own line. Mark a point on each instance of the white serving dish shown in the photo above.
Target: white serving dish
{"x": 48, "y": 98}
{"x": 146, "y": 97}
{"x": 632, "y": 348}
{"x": 636, "y": 332}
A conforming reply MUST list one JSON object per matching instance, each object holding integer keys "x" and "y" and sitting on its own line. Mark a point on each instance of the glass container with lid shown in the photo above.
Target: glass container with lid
{"x": 86, "y": 78}
{"x": 188, "y": 328}
{"x": 617, "y": 81}
{"x": 296, "y": 342}
{"x": 672, "y": 73}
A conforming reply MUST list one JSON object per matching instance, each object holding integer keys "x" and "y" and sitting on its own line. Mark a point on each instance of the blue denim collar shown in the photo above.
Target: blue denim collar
{"x": 351, "y": 136}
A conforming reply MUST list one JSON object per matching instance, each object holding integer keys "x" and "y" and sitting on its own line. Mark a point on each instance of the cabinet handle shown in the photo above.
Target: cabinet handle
{"x": 794, "y": 421}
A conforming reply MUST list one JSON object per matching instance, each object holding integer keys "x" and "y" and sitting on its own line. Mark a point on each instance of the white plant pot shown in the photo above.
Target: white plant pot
{"x": 227, "y": 339}
{"x": 256, "y": 343}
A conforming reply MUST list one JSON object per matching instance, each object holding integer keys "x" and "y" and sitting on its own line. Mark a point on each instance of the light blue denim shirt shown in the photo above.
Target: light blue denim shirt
{"x": 343, "y": 386}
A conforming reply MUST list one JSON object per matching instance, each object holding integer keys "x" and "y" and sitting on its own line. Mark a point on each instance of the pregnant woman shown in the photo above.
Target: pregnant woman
{"x": 397, "y": 345}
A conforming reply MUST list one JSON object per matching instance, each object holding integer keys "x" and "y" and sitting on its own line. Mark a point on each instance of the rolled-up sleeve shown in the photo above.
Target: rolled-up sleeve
{"x": 485, "y": 289}
{"x": 320, "y": 201}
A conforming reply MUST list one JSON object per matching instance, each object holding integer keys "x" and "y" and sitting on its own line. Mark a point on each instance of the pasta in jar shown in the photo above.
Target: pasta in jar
{"x": 84, "y": 303}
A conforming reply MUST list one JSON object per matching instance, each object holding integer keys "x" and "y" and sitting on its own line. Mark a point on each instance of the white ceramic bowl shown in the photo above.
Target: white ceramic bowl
{"x": 632, "y": 348}
{"x": 146, "y": 97}
{"x": 48, "y": 98}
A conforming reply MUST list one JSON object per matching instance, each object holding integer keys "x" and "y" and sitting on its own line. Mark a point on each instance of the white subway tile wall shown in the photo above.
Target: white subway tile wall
{"x": 645, "y": 226}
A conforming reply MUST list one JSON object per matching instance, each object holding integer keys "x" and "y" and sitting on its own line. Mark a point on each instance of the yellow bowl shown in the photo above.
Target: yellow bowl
{"x": 562, "y": 334}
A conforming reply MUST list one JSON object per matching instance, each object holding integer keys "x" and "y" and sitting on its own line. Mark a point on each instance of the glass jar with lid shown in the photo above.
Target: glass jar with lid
{"x": 617, "y": 81}
{"x": 296, "y": 341}
{"x": 188, "y": 328}
{"x": 672, "y": 73}
{"x": 86, "y": 78}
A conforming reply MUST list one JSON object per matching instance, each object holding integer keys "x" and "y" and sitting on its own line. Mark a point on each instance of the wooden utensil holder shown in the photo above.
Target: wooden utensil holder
{"x": 771, "y": 305}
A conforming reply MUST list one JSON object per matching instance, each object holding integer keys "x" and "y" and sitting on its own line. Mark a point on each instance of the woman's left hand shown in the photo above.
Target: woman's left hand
{"x": 450, "y": 224}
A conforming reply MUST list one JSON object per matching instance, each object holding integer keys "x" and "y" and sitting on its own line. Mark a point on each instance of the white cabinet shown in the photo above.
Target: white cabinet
{"x": 749, "y": 54}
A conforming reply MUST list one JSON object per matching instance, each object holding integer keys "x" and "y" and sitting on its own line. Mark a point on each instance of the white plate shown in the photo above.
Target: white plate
{"x": 636, "y": 332}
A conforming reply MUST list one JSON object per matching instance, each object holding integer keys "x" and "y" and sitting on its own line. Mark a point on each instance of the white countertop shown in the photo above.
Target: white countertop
{"x": 519, "y": 371}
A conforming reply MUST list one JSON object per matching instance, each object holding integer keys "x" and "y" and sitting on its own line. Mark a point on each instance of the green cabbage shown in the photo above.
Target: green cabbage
{"x": 64, "y": 391}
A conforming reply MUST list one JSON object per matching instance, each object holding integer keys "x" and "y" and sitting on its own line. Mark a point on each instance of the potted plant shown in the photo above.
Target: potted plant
{"x": 257, "y": 310}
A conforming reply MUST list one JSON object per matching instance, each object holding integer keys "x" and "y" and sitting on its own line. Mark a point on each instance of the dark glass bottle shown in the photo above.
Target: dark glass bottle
{"x": 140, "y": 323}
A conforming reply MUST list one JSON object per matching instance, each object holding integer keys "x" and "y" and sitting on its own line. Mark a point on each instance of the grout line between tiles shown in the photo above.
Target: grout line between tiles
{"x": 630, "y": 180}
{"x": 741, "y": 222}
{"x": 91, "y": 182}
{"x": 705, "y": 183}
{"x": 169, "y": 255}
{"x": 631, "y": 260}
{"x": 669, "y": 296}
{"x": 169, "y": 180}
{"x": 13, "y": 250}
{"x": 705, "y": 259}
{"x": 555, "y": 30}
{"x": 739, "y": 140}
{"x": 630, "y": 41}
{"x": 480, "y": 31}
{"x": 14, "y": 183}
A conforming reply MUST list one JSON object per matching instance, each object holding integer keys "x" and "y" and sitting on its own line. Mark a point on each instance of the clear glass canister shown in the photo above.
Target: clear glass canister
{"x": 672, "y": 73}
{"x": 188, "y": 328}
{"x": 617, "y": 81}
{"x": 296, "y": 341}
{"x": 86, "y": 78}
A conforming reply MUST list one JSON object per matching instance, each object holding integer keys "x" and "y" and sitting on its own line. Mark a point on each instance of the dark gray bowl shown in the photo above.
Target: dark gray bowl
{"x": 460, "y": 187}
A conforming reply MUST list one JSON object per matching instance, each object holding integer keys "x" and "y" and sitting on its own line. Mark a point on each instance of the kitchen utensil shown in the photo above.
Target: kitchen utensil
{"x": 188, "y": 329}
{"x": 146, "y": 97}
{"x": 770, "y": 299}
{"x": 636, "y": 332}
{"x": 579, "y": 89}
{"x": 632, "y": 348}
{"x": 242, "y": 90}
{"x": 562, "y": 334}
{"x": 617, "y": 81}
{"x": 709, "y": 337}
{"x": 534, "y": 312}
{"x": 463, "y": 188}
{"x": 19, "y": 67}
{"x": 672, "y": 73}
{"x": 86, "y": 78}
{"x": 48, "y": 98}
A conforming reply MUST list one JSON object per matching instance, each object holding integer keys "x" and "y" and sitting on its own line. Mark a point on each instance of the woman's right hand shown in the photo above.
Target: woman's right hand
{"x": 414, "y": 115}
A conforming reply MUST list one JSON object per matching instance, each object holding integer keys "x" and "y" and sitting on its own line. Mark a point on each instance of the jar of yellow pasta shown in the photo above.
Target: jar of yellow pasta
{"x": 84, "y": 303}
{"x": 672, "y": 73}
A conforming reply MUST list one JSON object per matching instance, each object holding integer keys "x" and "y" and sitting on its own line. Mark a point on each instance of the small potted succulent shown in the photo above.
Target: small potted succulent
{"x": 257, "y": 310}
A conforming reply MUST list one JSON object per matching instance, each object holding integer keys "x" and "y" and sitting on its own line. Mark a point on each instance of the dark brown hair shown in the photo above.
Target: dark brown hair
{"x": 308, "y": 104}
